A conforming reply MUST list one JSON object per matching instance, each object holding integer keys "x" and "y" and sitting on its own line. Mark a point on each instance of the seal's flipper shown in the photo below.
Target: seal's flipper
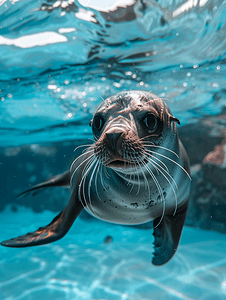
{"x": 58, "y": 180}
{"x": 167, "y": 235}
{"x": 53, "y": 231}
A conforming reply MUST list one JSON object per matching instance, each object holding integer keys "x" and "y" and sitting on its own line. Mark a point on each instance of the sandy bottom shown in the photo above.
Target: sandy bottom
{"x": 82, "y": 266}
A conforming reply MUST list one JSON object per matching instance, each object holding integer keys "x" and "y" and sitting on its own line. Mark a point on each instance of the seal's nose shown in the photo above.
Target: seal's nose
{"x": 113, "y": 137}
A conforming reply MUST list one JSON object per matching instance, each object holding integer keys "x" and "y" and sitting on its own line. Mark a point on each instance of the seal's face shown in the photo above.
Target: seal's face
{"x": 125, "y": 124}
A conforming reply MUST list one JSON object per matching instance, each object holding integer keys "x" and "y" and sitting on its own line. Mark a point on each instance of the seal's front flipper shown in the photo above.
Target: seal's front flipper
{"x": 52, "y": 232}
{"x": 167, "y": 235}
{"x": 58, "y": 180}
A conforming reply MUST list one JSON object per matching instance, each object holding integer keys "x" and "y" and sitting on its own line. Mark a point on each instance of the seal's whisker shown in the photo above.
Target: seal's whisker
{"x": 153, "y": 163}
{"x": 172, "y": 161}
{"x": 96, "y": 189}
{"x": 91, "y": 177}
{"x": 88, "y": 165}
{"x": 138, "y": 178}
{"x": 145, "y": 179}
{"x": 132, "y": 182}
{"x": 84, "y": 150}
{"x": 88, "y": 145}
{"x": 72, "y": 165}
{"x": 163, "y": 212}
{"x": 83, "y": 180}
{"x": 150, "y": 155}
{"x": 137, "y": 175}
{"x": 165, "y": 99}
{"x": 149, "y": 160}
{"x": 106, "y": 173}
{"x": 79, "y": 189}
{"x": 95, "y": 139}
{"x": 125, "y": 160}
{"x": 88, "y": 158}
{"x": 91, "y": 140}
{"x": 106, "y": 162}
{"x": 161, "y": 98}
{"x": 160, "y": 192}
{"x": 155, "y": 181}
{"x": 166, "y": 168}
{"x": 152, "y": 158}
{"x": 156, "y": 146}
{"x": 130, "y": 156}
{"x": 132, "y": 185}
{"x": 101, "y": 179}
{"x": 90, "y": 183}
{"x": 82, "y": 185}
{"x": 150, "y": 135}
{"x": 105, "y": 156}
{"x": 124, "y": 155}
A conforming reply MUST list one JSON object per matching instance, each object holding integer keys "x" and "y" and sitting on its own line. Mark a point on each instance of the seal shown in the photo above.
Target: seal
{"x": 136, "y": 171}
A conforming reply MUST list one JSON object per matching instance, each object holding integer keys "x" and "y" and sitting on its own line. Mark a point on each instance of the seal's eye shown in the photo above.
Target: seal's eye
{"x": 98, "y": 123}
{"x": 150, "y": 121}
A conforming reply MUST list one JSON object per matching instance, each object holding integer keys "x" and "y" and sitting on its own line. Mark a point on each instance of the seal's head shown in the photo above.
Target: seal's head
{"x": 126, "y": 123}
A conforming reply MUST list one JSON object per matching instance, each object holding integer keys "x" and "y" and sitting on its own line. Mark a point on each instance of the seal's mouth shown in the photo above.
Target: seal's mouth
{"x": 117, "y": 164}
{"x": 120, "y": 163}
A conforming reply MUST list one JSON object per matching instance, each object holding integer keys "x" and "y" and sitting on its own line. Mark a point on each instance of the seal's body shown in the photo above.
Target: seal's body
{"x": 135, "y": 172}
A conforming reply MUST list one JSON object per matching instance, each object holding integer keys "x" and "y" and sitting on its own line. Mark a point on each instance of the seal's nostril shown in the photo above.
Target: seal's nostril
{"x": 113, "y": 137}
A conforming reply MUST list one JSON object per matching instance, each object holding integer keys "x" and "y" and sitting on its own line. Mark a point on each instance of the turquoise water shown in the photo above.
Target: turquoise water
{"x": 82, "y": 266}
{"x": 57, "y": 61}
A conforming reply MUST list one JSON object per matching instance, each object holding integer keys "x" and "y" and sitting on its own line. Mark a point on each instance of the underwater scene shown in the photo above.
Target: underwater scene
{"x": 96, "y": 91}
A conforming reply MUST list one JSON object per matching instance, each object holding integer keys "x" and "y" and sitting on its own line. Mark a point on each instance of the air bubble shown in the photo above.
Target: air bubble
{"x": 116, "y": 84}
{"x": 215, "y": 84}
{"x": 52, "y": 86}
